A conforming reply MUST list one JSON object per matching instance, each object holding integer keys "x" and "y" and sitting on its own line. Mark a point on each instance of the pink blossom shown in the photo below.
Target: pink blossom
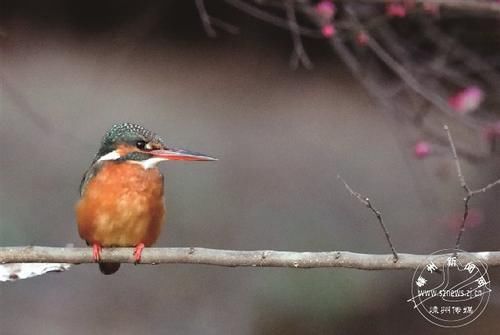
{"x": 362, "y": 38}
{"x": 422, "y": 149}
{"x": 466, "y": 100}
{"x": 326, "y": 9}
{"x": 328, "y": 30}
{"x": 395, "y": 10}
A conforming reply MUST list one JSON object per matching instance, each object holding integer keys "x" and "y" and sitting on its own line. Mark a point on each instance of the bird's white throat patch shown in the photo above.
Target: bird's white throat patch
{"x": 146, "y": 164}
{"x": 110, "y": 156}
{"x": 150, "y": 162}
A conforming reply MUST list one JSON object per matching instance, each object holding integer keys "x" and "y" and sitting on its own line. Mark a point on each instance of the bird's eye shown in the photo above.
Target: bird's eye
{"x": 141, "y": 145}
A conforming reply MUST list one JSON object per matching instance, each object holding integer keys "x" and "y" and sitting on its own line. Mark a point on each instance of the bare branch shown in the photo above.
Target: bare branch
{"x": 403, "y": 72}
{"x": 230, "y": 28}
{"x": 463, "y": 184}
{"x": 24, "y": 105}
{"x": 451, "y": 46}
{"x": 486, "y": 188}
{"x": 270, "y": 18}
{"x": 461, "y": 177}
{"x": 465, "y": 5}
{"x": 476, "y": 5}
{"x": 468, "y": 192}
{"x": 299, "y": 55}
{"x": 367, "y": 203}
{"x": 233, "y": 258}
{"x": 205, "y": 18}
{"x": 209, "y": 22}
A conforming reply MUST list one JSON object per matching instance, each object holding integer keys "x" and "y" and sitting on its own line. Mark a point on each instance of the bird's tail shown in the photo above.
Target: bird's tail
{"x": 109, "y": 268}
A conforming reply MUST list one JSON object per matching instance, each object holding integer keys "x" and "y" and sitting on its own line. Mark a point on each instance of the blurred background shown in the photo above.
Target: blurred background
{"x": 282, "y": 133}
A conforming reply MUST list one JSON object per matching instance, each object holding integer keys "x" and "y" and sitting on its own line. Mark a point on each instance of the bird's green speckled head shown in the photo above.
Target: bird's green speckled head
{"x": 131, "y": 142}
{"x": 131, "y": 135}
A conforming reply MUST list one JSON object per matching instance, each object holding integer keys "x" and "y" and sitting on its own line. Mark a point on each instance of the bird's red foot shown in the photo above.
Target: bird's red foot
{"x": 96, "y": 252}
{"x": 138, "y": 252}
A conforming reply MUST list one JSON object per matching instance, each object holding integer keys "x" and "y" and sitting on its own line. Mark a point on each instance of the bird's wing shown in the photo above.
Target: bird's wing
{"x": 89, "y": 174}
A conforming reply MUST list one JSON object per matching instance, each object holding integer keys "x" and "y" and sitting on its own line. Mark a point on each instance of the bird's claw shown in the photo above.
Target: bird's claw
{"x": 96, "y": 252}
{"x": 138, "y": 252}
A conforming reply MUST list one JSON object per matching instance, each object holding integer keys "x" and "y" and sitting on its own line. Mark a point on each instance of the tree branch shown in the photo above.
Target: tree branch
{"x": 476, "y": 5}
{"x": 205, "y": 18}
{"x": 234, "y": 258}
{"x": 366, "y": 201}
{"x": 270, "y": 18}
{"x": 299, "y": 55}
{"x": 469, "y": 193}
{"x": 403, "y": 72}
{"x": 472, "y": 5}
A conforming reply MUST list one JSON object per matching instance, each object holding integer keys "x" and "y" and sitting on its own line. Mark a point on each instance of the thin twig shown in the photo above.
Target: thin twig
{"x": 205, "y": 18}
{"x": 230, "y": 28}
{"x": 486, "y": 188}
{"x": 299, "y": 55}
{"x": 463, "y": 184}
{"x": 401, "y": 71}
{"x": 492, "y": 7}
{"x": 366, "y": 201}
{"x": 24, "y": 105}
{"x": 209, "y": 21}
{"x": 469, "y": 193}
{"x": 466, "y": 5}
{"x": 461, "y": 177}
{"x": 234, "y": 258}
{"x": 470, "y": 59}
{"x": 270, "y": 18}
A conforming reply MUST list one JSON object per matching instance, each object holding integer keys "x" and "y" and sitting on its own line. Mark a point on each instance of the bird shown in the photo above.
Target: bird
{"x": 121, "y": 194}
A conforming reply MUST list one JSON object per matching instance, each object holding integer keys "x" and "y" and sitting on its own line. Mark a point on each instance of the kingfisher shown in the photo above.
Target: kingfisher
{"x": 121, "y": 194}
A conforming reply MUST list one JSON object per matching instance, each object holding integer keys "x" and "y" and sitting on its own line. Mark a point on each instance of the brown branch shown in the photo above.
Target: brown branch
{"x": 451, "y": 47}
{"x": 375, "y": 89}
{"x": 299, "y": 55}
{"x": 366, "y": 201}
{"x": 404, "y": 73}
{"x": 270, "y": 18}
{"x": 461, "y": 177}
{"x": 474, "y": 5}
{"x": 205, "y": 18}
{"x": 465, "y": 5}
{"x": 469, "y": 193}
{"x": 234, "y": 258}
{"x": 209, "y": 21}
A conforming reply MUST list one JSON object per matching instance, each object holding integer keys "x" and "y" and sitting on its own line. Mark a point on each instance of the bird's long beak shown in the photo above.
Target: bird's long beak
{"x": 180, "y": 155}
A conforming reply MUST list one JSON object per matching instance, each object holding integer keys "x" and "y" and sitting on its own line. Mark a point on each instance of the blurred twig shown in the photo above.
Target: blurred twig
{"x": 205, "y": 18}
{"x": 270, "y": 18}
{"x": 234, "y": 258}
{"x": 209, "y": 21}
{"x": 474, "y": 5}
{"x": 423, "y": 83}
{"x": 24, "y": 105}
{"x": 402, "y": 71}
{"x": 490, "y": 6}
{"x": 299, "y": 55}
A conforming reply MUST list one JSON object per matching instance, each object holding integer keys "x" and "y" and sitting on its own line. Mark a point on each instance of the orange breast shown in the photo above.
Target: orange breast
{"x": 122, "y": 206}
